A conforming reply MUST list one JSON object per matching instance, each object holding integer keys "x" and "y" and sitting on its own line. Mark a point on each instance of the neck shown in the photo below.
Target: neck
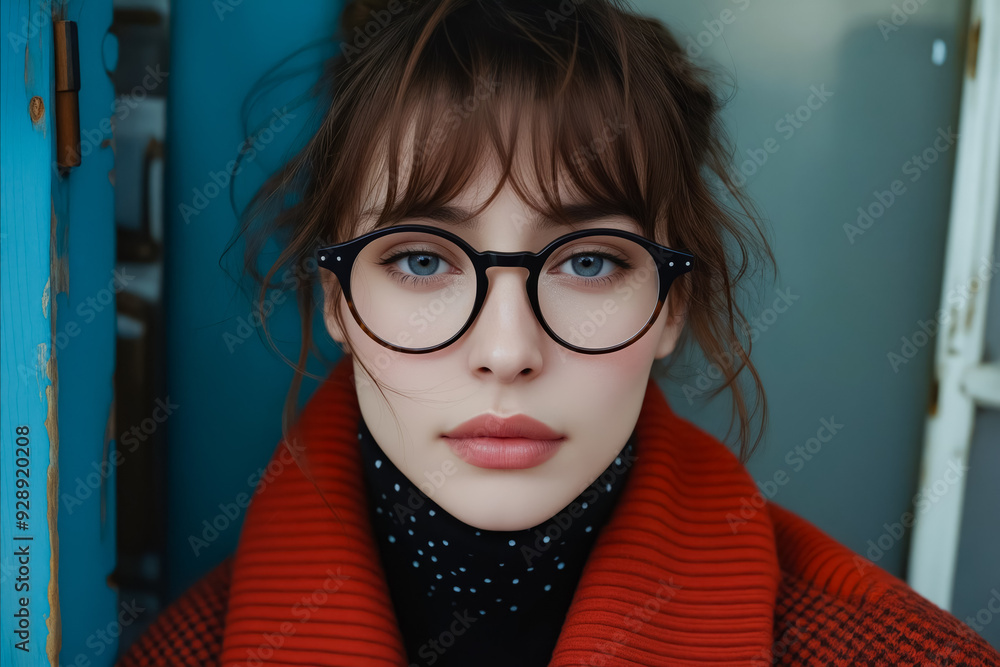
{"x": 440, "y": 569}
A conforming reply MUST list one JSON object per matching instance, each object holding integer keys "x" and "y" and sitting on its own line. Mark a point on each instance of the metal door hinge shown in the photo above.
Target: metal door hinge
{"x": 67, "y": 57}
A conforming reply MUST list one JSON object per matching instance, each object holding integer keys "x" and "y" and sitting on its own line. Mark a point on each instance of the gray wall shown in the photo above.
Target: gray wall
{"x": 826, "y": 356}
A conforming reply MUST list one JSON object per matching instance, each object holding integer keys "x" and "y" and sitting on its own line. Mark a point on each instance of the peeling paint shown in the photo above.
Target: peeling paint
{"x": 45, "y": 298}
{"x": 36, "y": 111}
{"x": 41, "y": 360}
{"x": 54, "y": 622}
{"x": 53, "y": 644}
{"x": 49, "y": 267}
{"x": 58, "y": 255}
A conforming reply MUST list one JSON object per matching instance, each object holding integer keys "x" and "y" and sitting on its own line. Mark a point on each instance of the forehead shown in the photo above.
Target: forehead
{"x": 477, "y": 208}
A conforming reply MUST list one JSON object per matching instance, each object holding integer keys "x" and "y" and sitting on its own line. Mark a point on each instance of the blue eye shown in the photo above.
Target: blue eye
{"x": 590, "y": 265}
{"x": 420, "y": 262}
{"x": 423, "y": 264}
{"x": 415, "y": 267}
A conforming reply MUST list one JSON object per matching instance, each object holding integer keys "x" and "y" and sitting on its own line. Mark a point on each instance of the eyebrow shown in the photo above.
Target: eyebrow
{"x": 457, "y": 216}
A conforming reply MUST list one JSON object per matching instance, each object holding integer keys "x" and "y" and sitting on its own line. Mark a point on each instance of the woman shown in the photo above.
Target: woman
{"x": 512, "y": 211}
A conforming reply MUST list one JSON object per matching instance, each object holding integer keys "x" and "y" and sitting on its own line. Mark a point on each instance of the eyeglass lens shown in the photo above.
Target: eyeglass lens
{"x": 417, "y": 290}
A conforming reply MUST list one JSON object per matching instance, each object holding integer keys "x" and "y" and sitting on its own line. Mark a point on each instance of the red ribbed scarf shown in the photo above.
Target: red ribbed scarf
{"x": 668, "y": 580}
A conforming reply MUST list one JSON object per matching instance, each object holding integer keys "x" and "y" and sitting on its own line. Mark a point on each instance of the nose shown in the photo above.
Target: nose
{"x": 506, "y": 339}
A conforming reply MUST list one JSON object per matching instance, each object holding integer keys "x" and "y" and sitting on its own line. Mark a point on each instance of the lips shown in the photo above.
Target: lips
{"x": 491, "y": 441}
{"x": 494, "y": 426}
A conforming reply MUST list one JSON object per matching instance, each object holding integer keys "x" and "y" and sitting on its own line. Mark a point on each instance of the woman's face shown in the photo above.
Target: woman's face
{"x": 504, "y": 365}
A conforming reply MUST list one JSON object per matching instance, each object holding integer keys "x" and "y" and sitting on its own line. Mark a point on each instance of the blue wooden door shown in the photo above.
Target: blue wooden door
{"x": 57, "y": 329}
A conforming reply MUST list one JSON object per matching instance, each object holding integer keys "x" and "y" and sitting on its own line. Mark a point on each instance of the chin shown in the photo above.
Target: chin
{"x": 499, "y": 516}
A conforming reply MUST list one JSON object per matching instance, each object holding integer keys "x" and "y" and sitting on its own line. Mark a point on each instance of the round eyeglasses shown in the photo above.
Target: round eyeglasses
{"x": 415, "y": 288}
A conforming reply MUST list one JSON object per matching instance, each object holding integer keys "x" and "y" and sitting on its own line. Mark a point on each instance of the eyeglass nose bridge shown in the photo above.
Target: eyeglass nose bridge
{"x": 520, "y": 260}
{"x": 517, "y": 260}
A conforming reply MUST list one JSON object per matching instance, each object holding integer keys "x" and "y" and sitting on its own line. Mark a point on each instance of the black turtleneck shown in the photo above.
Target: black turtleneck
{"x": 465, "y": 596}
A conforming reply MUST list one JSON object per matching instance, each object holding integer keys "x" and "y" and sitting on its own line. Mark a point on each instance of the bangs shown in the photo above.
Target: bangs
{"x": 563, "y": 128}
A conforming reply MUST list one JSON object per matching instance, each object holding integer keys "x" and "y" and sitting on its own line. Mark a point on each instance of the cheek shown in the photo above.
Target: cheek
{"x": 381, "y": 361}
{"x": 607, "y": 397}
{"x": 404, "y": 378}
{"x": 619, "y": 372}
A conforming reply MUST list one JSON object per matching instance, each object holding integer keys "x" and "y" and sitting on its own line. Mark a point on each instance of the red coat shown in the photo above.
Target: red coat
{"x": 693, "y": 567}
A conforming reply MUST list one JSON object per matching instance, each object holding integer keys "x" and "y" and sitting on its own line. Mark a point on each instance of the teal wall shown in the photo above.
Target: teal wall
{"x": 229, "y": 394}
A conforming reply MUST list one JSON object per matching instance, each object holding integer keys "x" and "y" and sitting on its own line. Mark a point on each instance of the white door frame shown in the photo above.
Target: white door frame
{"x": 964, "y": 382}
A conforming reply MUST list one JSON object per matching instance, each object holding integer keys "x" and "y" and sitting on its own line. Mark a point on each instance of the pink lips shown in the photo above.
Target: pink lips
{"x": 491, "y": 441}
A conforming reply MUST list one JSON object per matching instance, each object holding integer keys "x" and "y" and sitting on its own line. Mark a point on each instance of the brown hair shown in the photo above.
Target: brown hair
{"x": 570, "y": 70}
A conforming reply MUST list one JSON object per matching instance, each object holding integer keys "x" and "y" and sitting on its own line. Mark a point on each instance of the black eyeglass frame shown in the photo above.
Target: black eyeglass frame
{"x": 339, "y": 258}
